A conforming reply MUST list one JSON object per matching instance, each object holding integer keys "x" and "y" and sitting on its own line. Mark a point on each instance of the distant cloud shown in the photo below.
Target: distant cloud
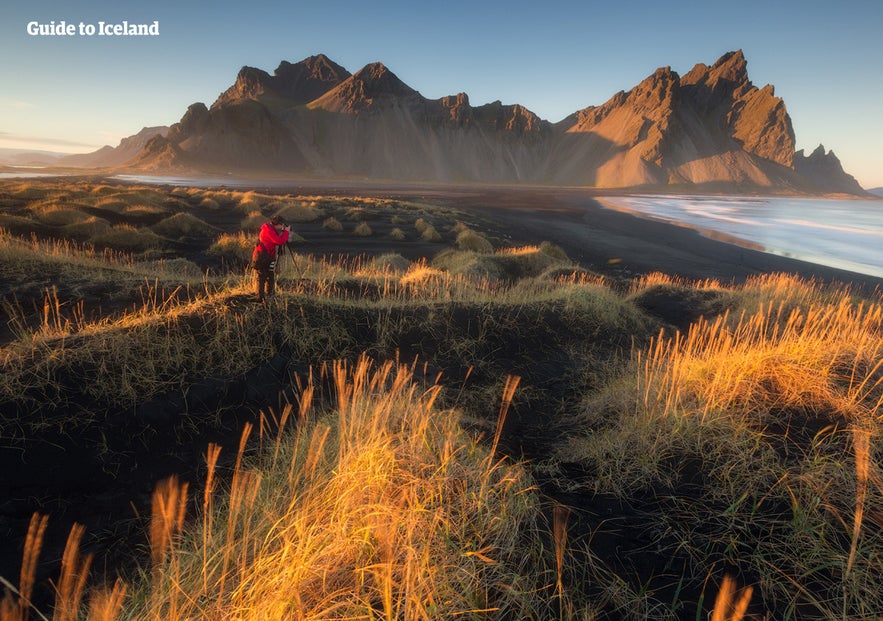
{"x": 8, "y": 140}
{"x": 17, "y": 104}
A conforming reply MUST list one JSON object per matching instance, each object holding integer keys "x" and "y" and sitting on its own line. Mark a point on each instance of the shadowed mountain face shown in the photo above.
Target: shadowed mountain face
{"x": 711, "y": 126}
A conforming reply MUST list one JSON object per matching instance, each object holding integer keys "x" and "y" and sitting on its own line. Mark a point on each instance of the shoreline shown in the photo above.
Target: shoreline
{"x": 593, "y": 231}
{"x": 768, "y": 222}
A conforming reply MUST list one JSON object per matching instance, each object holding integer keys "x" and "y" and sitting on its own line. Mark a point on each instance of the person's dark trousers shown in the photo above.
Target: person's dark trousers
{"x": 266, "y": 283}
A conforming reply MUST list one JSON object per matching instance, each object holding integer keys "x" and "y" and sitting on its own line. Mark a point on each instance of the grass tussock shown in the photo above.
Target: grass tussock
{"x": 183, "y": 225}
{"x": 386, "y": 508}
{"x": 233, "y": 246}
{"x": 382, "y": 508}
{"x": 299, "y": 211}
{"x": 766, "y": 419}
{"x": 363, "y": 229}
{"x": 129, "y": 238}
{"x": 332, "y": 224}
{"x": 509, "y": 264}
{"x": 470, "y": 240}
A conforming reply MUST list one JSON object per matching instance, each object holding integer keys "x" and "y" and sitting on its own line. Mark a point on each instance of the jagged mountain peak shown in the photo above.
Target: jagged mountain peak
{"x": 729, "y": 72}
{"x": 318, "y": 69}
{"x": 373, "y": 87}
{"x": 380, "y": 80}
{"x": 299, "y": 82}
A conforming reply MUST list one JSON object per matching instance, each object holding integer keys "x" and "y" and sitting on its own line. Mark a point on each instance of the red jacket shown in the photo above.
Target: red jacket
{"x": 270, "y": 239}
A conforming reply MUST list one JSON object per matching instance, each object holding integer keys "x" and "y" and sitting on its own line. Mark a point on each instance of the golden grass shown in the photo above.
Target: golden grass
{"x": 386, "y": 509}
{"x": 298, "y": 211}
{"x": 430, "y": 234}
{"x": 252, "y": 221}
{"x": 14, "y": 248}
{"x": 762, "y": 405}
{"x": 125, "y": 237}
{"x": 332, "y": 224}
{"x": 756, "y": 432}
{"x": 731, "y": 604}
{"x": 237, "y": 246}
{"x": 183, "y": 225}
{"x": 363, "y": 229}
{"x": 61, "y": 215}
{"x": 828, "y": 356}
{"x": 468, "y": 239}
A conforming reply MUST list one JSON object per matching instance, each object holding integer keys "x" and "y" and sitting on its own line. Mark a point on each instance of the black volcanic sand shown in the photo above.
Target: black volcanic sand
{"x": 59, "y": 474}
{"x": 611, "y": 242}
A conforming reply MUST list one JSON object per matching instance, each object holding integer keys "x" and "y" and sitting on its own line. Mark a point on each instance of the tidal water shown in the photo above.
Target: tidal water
{"x": 846, "y": 234}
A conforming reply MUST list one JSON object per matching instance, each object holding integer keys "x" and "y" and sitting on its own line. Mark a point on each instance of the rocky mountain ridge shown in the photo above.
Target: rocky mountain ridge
{"x": 128, "y": 148}
{"x": 710, "y": 127}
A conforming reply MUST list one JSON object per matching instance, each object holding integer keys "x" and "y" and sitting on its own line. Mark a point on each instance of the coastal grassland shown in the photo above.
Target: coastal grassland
{"x": 386, "y": 306}
{"x": 666, "y": 442}
{"x": 382, "y": 506}
{"x": 385, "y": 508}
{"x": 753, "y": 441}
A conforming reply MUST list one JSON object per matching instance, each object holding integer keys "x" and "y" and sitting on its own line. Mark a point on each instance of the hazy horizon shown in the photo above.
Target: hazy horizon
{"x": 77, "y": 93}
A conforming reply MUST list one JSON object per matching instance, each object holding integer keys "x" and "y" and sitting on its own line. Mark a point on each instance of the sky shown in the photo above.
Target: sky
{"x": 77, "y": 93}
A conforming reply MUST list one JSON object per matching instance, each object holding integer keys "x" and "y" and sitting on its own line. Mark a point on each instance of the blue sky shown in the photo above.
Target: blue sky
{"x": 77, "y": 93}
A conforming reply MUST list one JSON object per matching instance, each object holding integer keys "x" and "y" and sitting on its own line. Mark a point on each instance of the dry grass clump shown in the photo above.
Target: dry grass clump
{"x": 119, "y": 198}
{"x": 397, "y": 234}
{"x": 236, "y": 246}
{"x": 298, "y": 211}
{"x": 357, "y": 214}
{"x": 391, "y": 261}
{"x": 253, "y": 221}
{"x": 55, "y": 214}
{"x": 332, "y": 224}
{"x": 420, "y": 274}
{"x": 753, "y": 428}
{"x": 506, "y": 264}
{"x": 179, "y": 268}
{"x": 431, "y": 235}
{"x": 112, "y": 204}
{"x": 15, "y": 250}
{"x": 128, "y": 238}
{"x": 427, "y": 231}
{"x": 468, "y": 239}
{"x": 250, "y": 201}
{"x": 209, "y": 203}
{"x": 27, "y": 191}
{"x": 386, "y": 509}
{"x": 363, "y": 229}
{"x": 86, "y": 229}
{"x": 15, "y": 222}
{"x": 183, "y": 225}
{"x": 140, "y": 211}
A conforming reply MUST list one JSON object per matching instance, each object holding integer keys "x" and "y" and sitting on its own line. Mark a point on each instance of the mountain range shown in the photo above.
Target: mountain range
{"x": 710, "y": 127}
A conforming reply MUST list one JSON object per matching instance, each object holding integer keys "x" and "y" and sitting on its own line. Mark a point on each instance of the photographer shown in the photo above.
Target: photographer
{"x": 273, "y": 235}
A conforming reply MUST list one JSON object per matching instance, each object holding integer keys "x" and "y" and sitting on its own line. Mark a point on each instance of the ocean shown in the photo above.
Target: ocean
{"x": 845, "y": 234}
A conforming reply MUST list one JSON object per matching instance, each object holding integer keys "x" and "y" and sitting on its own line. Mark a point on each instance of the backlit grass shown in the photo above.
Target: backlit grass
{"x": 772, "y": 419}
{"x": 704, "y": 449}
